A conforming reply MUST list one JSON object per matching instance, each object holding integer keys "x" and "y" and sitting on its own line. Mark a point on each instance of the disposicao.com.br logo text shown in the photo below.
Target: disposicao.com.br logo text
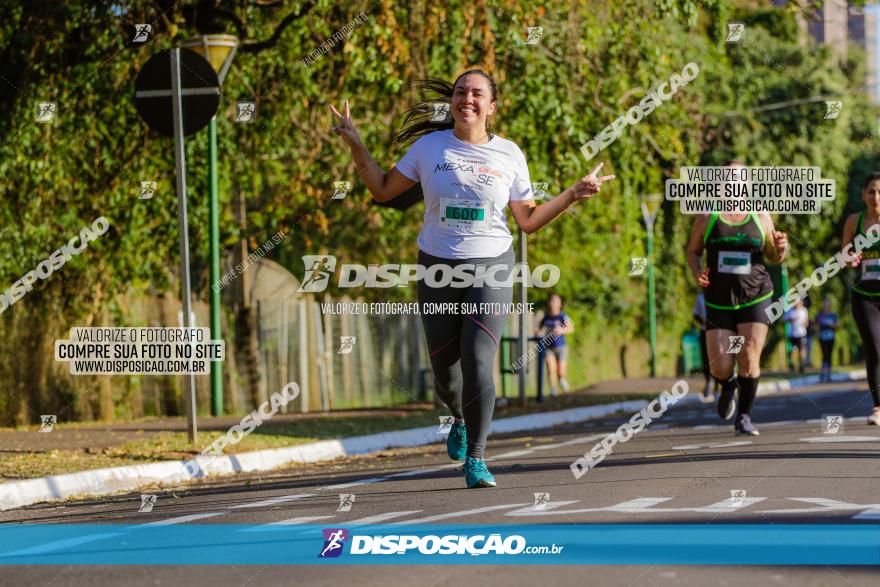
{"x": 450, "y": 544}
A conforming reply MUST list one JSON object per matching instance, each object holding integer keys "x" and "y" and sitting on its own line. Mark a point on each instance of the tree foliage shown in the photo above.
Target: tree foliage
{"x": 594, "y": 61}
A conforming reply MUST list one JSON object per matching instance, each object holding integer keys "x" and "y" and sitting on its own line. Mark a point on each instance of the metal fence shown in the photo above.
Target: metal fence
{"x": 341, "y": 360}
{"x": 387, "y": 363}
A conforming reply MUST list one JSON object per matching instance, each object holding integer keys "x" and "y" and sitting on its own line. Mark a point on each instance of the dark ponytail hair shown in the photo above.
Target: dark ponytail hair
{"x": 417, "y": 123}
{"x": 417, "y": 120}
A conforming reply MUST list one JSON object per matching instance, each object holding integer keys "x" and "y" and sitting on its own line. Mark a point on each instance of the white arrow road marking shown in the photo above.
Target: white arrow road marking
{"x": 379, "y": 518}
{"x": 830, "y": 505}
{"x": 273, "y": 501}
{"x": 181, "y": 519}
{"x": 552, "y": 505}
{"x": 726, "y": 505}
{"x": 643, "y": 505}
{"x": 872, "y": 514}
{"x": 636, "y": 505}
{"x": 461, "y": 514}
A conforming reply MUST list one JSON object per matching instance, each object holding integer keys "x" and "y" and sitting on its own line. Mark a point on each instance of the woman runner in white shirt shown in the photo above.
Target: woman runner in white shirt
{"x": 467, "y": 176}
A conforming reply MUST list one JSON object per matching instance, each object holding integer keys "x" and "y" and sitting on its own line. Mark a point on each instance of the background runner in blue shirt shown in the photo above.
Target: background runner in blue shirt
{"x": 553, "y": 327}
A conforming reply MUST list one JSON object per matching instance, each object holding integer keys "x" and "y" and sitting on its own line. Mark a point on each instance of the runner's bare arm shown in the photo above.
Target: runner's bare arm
{"x": 776, "y": 247}
{"x": 849, "y": 233}
{"x": 531, "y": 217}
{"x": 694, "y": 251}
{"x": 383, "y": 186}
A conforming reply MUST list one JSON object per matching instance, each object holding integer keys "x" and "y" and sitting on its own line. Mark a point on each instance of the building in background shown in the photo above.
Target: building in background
{"x": 864, "y": 30}
{"x": 841, "y": 25}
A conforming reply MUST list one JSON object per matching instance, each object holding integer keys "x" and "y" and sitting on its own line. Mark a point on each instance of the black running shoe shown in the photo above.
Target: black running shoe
{"x": 744, "y": 426}
{"x": 726, "y": 406}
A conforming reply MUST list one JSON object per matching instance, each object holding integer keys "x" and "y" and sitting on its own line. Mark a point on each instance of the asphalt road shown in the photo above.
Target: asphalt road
{"x": 688, "y": 467}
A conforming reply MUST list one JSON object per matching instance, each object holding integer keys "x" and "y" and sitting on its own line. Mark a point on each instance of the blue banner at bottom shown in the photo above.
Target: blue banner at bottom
{"x": 576, "y": 544}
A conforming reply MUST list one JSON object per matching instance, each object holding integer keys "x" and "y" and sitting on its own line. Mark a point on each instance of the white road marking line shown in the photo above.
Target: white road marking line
{"x": 390, "y": 476}
{"x": 707, "y": 426}
{"x": 528, "y": 451}
{"x": 712, "y": 445}
{"x": 60, "y": 544}
{"x": 378, "y": 518}
{"x": 284, "y": 523}
{"x": 273, "y": 501}
{"x": 514, "y": 453}
{"x": 461, "y": 514}
{"x": 181, "y": 519}
{"x": 583, "y": 440}
{"x": 836, "y": 438}
{"x": 353, "y": 483}
{"x": 507, "y": 455}
{"x": 415, "y": 472}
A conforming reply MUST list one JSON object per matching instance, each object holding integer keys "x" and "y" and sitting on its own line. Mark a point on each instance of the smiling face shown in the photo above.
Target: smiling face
{"x": 871, "y": 196}
{"x": 472, "y": 101}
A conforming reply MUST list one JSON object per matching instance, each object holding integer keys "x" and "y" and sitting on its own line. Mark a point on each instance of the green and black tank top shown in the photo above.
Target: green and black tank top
{"x": 738, "y": 277}
{"x": 868, "y": 282}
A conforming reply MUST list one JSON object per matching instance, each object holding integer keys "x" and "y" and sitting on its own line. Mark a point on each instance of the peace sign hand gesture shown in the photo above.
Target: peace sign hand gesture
{"x": 590, "y": 185}
{"x": 345, "y": 127}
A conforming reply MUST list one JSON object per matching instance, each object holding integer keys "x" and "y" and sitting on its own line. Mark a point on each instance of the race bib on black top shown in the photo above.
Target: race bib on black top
{"x": 870, "y": 269}
{"x": 735, "y": 262}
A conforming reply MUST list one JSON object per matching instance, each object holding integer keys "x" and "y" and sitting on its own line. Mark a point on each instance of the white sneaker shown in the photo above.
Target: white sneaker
{"x": 707, "y": 397}
{"x": 874, "y": 418}
{"x": 563, "y": 385}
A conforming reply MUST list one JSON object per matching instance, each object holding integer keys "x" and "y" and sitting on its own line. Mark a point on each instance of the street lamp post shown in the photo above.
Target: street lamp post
{"x": 650, "y": 207}
{"x": 219, "y": 51}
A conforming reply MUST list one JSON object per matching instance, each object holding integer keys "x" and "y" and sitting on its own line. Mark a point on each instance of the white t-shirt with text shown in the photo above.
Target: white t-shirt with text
{"x": 466, "y": 189}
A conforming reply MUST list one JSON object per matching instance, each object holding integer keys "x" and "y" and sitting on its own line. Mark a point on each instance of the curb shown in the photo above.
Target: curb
{"x": 771, "y": 387}
{"x": 100, "y": 482}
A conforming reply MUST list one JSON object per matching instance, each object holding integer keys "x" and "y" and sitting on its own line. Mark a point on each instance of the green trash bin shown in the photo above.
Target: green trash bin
{"x": 691, "y": 354}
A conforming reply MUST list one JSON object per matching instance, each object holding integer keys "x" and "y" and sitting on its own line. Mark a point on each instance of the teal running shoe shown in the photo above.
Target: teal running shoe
{"x": 476, "y": 474}
{"x": 456, "y": 442}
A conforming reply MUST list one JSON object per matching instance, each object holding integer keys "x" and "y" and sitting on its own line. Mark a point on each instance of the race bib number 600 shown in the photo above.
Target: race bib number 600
{"x": 467, "y": 215}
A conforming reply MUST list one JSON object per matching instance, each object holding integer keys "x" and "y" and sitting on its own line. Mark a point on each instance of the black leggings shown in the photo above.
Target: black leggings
{"x": 827, "y": 351}
{"x": 462, "y": 346}
{"x": 866, "y": 311}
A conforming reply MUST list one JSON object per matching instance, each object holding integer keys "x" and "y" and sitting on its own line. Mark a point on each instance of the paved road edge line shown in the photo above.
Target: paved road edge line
{"x": 98, "y": 482}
